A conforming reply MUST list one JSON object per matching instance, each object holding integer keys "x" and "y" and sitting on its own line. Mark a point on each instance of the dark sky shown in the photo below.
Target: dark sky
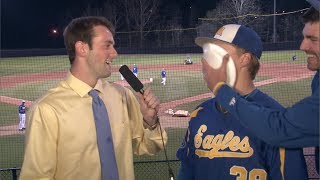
{"x": 28, "y": 24}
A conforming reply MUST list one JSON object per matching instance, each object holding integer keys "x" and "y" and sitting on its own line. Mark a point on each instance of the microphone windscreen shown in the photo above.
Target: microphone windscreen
{"x": 134, "y": 82}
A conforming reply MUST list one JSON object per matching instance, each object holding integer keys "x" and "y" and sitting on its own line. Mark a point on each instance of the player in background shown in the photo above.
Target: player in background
{"x": 216, "y": 146}
{"x": 188, "y": 60}
{"x": 22, "y": 116}
{"x": 135, "y": 70}
{"x": 163, "y": 76}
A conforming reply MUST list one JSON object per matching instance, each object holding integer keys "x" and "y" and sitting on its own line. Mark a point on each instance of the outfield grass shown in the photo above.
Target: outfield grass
{"x": 288, "y": 93}
{"x": 9, "y": 114}
{"x": 11, "y": 151}
{"x": 285, "y": 93}
{"x": 25, "y": 65}
{"x": 180, "y": 84}
{"x": 284, "y": 56}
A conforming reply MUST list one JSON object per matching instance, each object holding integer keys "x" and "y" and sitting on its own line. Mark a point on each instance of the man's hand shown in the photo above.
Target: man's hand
{"x": 149, "y": 106}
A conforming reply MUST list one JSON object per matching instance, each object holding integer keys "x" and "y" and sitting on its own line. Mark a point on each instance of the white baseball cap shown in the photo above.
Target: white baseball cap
{"x": 239, "y": 35}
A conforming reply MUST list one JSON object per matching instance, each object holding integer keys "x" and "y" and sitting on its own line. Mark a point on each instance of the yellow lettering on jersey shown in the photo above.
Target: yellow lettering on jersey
{"x": 221, "y": 145}
{"x": 195, "y": 112}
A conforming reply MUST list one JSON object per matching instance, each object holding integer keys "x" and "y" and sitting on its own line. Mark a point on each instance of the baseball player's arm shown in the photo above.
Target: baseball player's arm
{"x": 40, "y": 151}
{"x": 294, "y": 127}
{"x": 185, "y": 171}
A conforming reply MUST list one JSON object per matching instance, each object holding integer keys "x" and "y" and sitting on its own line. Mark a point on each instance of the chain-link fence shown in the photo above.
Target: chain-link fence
{"x": 28, "y": 74}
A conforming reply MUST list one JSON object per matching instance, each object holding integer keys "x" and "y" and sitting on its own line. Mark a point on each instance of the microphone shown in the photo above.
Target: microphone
{"x": 133, "y": 81}
{"x": 136, "y": 84}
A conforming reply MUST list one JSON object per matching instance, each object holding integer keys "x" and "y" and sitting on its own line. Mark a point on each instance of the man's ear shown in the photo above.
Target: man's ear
{"x": 245, "y": 59}
{"x": 81, "y": 48}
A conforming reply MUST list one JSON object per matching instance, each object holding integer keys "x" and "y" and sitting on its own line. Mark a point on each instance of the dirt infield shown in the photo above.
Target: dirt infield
{"x": 276, "y": 71}
{"x": 12, "y": 81}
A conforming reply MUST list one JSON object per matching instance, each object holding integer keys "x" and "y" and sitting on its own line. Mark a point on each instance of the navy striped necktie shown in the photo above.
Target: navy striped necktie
{"x": 109, "y": 170}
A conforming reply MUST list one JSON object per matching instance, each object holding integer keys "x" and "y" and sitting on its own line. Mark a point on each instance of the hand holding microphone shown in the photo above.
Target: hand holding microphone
{"x": 149, "y": 103}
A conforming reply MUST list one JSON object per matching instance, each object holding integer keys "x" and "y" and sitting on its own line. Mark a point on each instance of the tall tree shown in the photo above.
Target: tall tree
{"x": 290, "y": 27}
{"x": 124, "y": 8}
{"x": 235, "y": 11}
{"x": 107, "y": 10}
{"x": 170, "y": 20}
{"x": 140, "y": 15}
{"x": 111, "y": 12}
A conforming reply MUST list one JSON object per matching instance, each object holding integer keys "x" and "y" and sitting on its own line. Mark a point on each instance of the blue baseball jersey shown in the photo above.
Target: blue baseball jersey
{"x": 22, "y": 109}
{"x": 135, "y": 69}
{"x": 163, "y": 73}
{"x": 216, "y": 146}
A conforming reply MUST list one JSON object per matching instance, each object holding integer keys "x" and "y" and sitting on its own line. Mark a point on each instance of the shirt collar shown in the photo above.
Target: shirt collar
{"x": 101, "y": 85}
{"x": 80, "y": 87}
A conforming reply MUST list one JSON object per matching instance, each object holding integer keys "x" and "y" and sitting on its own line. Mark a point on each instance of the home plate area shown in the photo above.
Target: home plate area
{"x": 178, "y": 113}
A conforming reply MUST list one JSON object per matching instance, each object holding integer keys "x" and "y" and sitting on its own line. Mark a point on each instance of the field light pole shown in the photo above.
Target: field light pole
{"x": 274, "y": 21}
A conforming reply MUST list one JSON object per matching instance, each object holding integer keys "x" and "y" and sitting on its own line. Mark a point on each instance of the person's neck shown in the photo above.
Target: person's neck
{"x": 83, "y": 74}
{"x": 244, "y": 86}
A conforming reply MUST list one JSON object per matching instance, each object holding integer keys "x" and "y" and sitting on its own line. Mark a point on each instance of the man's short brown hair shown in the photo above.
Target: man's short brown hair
{"x": 81, "y": 29}
{"x": 312, "y": 15}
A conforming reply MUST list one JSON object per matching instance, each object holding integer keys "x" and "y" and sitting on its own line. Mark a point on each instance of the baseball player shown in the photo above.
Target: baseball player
{"x": 163, "y": 76}
{"x": 22, "y": 116}
{"x": 216, "y": 146}
{"x": 188, "y": 60}
{"x": 135, "y": 70}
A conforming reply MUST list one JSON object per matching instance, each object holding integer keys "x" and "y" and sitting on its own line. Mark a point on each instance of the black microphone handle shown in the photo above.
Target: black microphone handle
{"x": 133, "y": 81}
{"x": 141, "y": 91}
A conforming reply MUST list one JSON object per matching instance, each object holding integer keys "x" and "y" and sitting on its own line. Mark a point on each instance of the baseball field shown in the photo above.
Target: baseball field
{"x": 27, "y": 78}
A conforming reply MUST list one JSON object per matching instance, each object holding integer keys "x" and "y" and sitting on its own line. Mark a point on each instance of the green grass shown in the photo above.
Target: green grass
{"x": 149, "y": 59}
{"x": 285, "y": 93}
{"x": 288, "y": 93}
{"x": 9, "y": 114}
{"x": 29, "y": 91}
{"x": 284, "y": 57}
{"x": 175, "y": 138}
{"x": 11, "y": 151}
{"x": 152, "y": 170}
{"x": 25, "y": 65}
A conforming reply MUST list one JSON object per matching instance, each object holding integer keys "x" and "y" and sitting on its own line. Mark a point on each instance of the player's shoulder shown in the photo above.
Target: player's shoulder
{"x": 265, "y": 100}
{"x": 208, "y": 104}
